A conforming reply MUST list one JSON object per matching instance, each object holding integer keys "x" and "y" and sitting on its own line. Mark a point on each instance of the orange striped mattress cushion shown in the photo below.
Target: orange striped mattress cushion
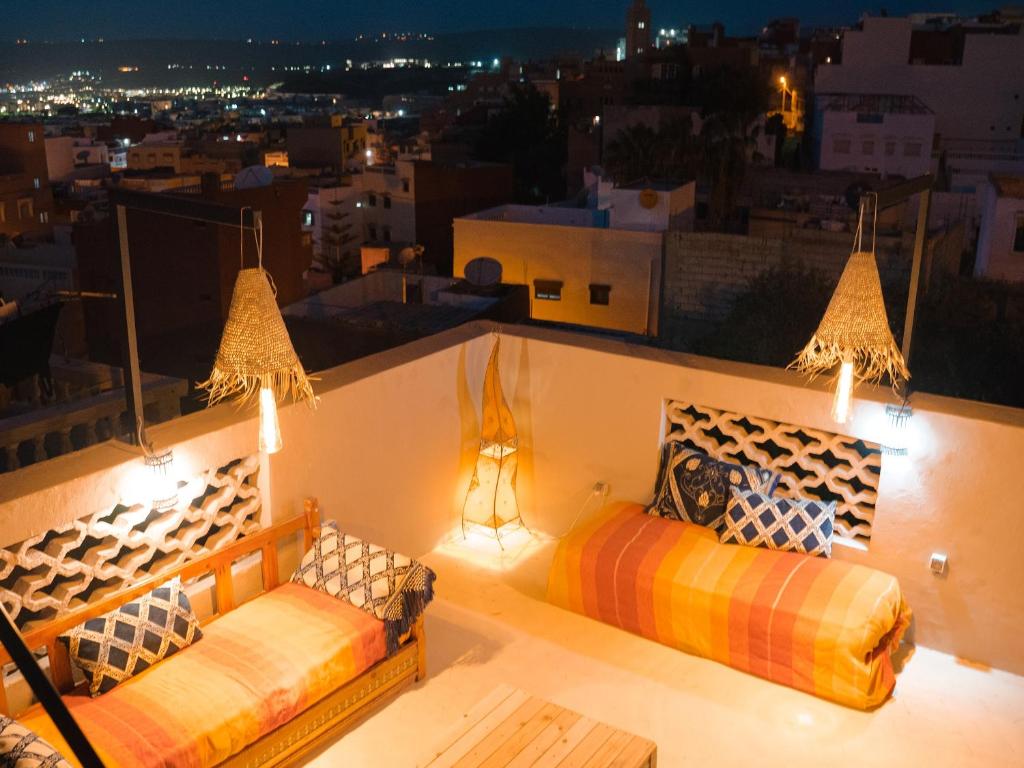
{"x": 255, "y": 668}
{"x": 823, "y": 626}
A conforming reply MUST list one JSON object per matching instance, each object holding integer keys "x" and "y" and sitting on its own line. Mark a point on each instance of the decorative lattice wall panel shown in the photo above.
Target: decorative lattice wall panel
{"x": 43, "y": 576}
{"x": 813, "y": 463}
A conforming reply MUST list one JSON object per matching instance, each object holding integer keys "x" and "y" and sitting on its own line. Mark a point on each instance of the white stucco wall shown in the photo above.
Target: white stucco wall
{"x": 590, "y": 410}
{"x": 389, "y": 454}
{"x": 996, "y": 258}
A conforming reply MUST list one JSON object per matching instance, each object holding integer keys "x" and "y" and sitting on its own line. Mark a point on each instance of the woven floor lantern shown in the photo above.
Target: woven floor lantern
{"x": 491, "y": 499}
{"x": 854, "y": 334}
{"x": 256, "y": 359}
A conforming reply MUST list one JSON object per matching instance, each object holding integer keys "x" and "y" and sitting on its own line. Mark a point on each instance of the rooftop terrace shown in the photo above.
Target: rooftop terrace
{"x": 389, "y": 453}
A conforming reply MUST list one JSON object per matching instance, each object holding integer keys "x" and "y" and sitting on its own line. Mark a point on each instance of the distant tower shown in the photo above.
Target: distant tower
{"x": 638, "y": 29}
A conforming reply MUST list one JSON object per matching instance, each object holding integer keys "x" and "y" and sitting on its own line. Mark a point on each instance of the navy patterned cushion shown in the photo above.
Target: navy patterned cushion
{"x": 790, "y": 525}
{"x": 22, "y": 748}
{"x": 112, "y": 648}
{"x": 694, "y": 487}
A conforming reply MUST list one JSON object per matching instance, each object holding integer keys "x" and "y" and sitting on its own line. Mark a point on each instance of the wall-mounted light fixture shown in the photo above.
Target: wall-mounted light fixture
{"x": 163, "y": 486}
{"x": 898, "y": 423}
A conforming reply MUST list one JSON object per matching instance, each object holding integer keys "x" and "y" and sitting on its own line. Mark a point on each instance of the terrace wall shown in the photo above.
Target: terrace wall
{"x": 591, "y": 410}
{"x": 389, "y": 453}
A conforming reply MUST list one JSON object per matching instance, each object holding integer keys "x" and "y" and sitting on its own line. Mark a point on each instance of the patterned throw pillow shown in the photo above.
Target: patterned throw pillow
{"x": 694, "y": 487}
{"x": 790, "y": 525}
{"x": 21, "y": 748}
{"x": 112, "y": 648}
{"x": 385, "y": 584}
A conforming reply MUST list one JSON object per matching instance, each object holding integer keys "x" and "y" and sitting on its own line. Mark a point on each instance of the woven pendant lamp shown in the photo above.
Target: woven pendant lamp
{"x": 256, "y": 359}
{"x": 491, "y": 499}
{"x": 854, "y": 332}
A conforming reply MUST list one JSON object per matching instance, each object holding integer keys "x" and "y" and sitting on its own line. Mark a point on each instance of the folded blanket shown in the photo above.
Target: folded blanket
{"x": 394, "y": 588}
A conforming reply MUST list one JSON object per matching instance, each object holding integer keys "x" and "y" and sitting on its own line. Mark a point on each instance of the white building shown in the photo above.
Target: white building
{"x": 971, "y": 75}
{"x": 387, "y": 198}
{"x": 873, "y": 133}
{"x": 650, "y": 206}
{"x": 1001, "y": 238}
{"x": 66, "y": 153}
{"x": 333, "y": 218}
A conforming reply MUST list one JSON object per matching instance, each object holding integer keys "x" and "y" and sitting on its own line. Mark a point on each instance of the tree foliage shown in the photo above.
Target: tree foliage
{"x": 526, "y": 133}
{"x": 732, "y": 101}
{"x": 773, "y": 319}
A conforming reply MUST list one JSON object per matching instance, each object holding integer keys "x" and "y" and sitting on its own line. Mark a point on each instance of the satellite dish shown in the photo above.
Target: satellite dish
{"x": 409, "y": 254}
{"x": 483, "y": 272}
{"x": 254, "y": 176}
{"x": 83, "y": 155}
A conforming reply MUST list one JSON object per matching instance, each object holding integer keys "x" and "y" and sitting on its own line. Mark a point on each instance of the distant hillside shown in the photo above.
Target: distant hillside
{"x": 186, "y": 62}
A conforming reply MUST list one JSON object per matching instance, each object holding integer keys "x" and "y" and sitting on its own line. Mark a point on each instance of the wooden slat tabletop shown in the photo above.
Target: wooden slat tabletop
{"x": 511, "y": 729}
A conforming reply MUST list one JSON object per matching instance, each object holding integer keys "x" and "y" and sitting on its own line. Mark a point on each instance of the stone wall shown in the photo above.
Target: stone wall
{"x": 705, "y": 272}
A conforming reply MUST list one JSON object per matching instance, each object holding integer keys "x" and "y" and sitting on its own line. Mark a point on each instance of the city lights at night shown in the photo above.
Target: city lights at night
{"x": 416, "y": 385}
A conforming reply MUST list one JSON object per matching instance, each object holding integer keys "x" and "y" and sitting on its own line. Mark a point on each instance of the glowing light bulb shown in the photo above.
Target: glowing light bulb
{"x": 842, "y": 405}
{"x": 270, "y": 427}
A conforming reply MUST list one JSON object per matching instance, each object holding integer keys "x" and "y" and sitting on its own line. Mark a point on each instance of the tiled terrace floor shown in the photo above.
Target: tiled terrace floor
{"x": 489, "y": 627}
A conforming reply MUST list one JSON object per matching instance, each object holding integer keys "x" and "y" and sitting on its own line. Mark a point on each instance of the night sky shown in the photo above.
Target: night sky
{"x": 342, "y": 19}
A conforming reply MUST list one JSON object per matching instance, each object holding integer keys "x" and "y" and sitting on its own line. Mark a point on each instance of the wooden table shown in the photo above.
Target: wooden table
{"x": 512, "y": 729}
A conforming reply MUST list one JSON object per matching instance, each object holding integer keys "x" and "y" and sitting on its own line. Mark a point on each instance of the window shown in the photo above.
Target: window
{"x": 547, "y": 290}
{"x": 912, "y": 149}
{"x": 841, "y": 146}
{"x": 24, "y": 209}
{"x": 31, "y": 137}
{"x": 890, "y": 148}
{"x": 385, "y": 234}
{"x": 387, "y": 201}
{"x": 44, "y": 217}
{"x": 3, "y": 211}
{"x": 371, "y": 232}
{"x": 35, "y": 182}
{"x": 1018, "y": 235}
{"x": 641, "y": 25}
{"x": 405, "y": 185}
{"x": 599, "y": 294}
{"x": 307, "y": 218}
{"x": 371, "y": 199}
{"x": 867, "y": 147}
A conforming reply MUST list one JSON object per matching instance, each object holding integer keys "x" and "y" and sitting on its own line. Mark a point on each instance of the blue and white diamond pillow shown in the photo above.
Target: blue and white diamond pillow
{"x": 789, "y": 525}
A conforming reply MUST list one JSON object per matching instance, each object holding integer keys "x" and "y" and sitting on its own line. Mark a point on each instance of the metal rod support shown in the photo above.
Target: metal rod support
{"x": 132, "y": 372}
{"x": 897, "y": 193}
{"x": 185, "y": 207}
{"x": 923, "y": 209}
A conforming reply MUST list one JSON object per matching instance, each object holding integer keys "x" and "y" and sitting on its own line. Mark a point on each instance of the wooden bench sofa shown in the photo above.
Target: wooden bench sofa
{"x": 300, "y": 667}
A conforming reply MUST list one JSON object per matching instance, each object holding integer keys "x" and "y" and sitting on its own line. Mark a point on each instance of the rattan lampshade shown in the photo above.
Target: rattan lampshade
{"x": 255, "y": 350}
{"x": 855, "y": 328}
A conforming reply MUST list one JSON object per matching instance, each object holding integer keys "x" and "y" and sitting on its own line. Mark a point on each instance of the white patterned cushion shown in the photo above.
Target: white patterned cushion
{"x": 118, "y": 645}
{"x": 385, "y": 584}
{"x": 21, "y": 748}
{"x": 790, "y": 525}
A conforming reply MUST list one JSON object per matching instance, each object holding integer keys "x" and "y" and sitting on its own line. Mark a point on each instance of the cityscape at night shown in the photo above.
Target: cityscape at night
{"x": 662, "y": 364}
